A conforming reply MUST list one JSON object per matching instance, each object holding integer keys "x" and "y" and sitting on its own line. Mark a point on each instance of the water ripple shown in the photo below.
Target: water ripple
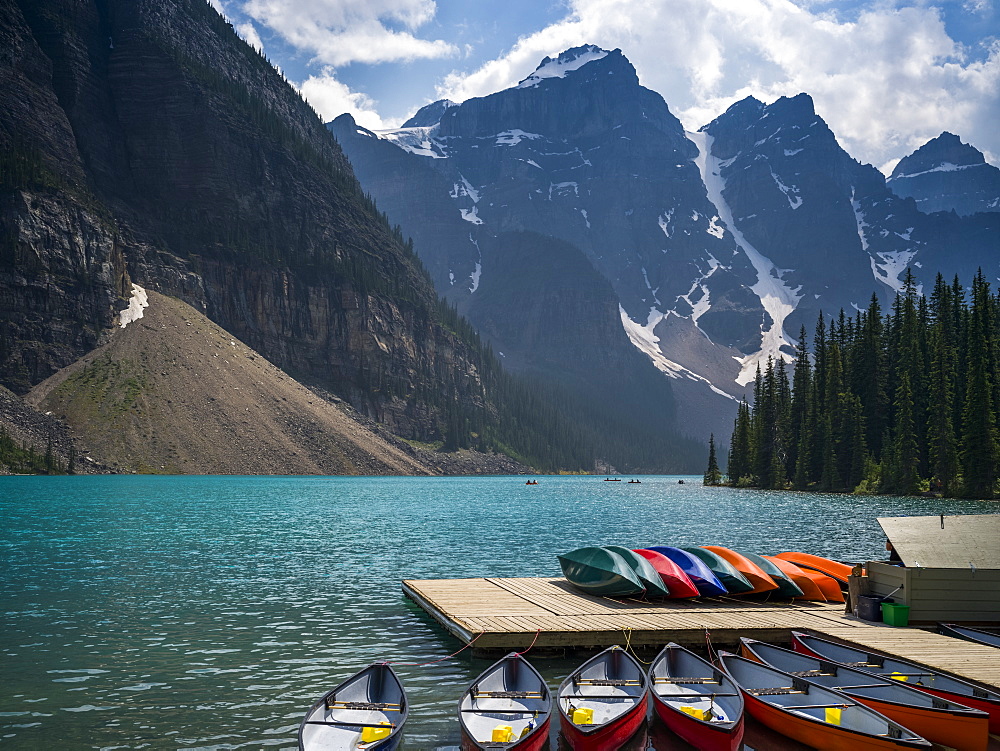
{"x": 209, "y": 612}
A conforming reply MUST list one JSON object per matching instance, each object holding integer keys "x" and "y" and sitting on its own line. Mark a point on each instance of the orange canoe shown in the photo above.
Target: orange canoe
{"x": 754, "y": 573}
{"x": 839, "y": 571}
{"x": 827, "y": 585}
{"x": 810, "y": 589}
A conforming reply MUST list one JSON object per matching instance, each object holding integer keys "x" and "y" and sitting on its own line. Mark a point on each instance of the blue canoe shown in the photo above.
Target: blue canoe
{"x": 704, "y": 578}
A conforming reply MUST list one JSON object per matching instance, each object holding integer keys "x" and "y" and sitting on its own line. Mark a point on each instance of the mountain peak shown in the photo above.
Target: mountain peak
{"x": 567, "y": 62}
{"x": 941, "y": 154}
{"x": 429, "y": 114}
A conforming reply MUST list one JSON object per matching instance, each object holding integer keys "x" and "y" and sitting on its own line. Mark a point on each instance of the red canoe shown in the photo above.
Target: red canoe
{"x": 696, "y": 700}
{"x": 754, "y": 573}
{"x": 678, "y": 583}
{"x": 603, "y": 702}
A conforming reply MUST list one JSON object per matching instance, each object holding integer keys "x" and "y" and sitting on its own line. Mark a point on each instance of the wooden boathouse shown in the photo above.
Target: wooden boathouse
{"x": 950, "y": 568}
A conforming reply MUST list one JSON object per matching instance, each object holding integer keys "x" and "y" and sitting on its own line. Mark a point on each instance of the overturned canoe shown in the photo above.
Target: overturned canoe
{"x": 603, "y": 702}
{"x": 507, "y": 704}
{"x": 938, "y": 720}
{"x": 597, "y": 571}
{"x": 644, "y": 571}
{"x": 696, "y": 700}
{"x": 731, "y": 578}
{"x": 811, "y": 714}
{"x": 810, "y": 589}
{"x": 674, "y": 579}
{"x": 697, "y": 570}
{"x": 827, "y": 584}
{"x": 920, "y": 677}
{"x": 368, "y": 708}
{"x": 836, "y": 569}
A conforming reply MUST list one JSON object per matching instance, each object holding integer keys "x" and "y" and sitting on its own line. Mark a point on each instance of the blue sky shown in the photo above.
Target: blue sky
{"x": 887, "y": 75}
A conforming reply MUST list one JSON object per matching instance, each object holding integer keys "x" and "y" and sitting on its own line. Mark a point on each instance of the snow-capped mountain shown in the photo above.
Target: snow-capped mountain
{"x": 947, "y": 175}
{"x": 719, "y": 244}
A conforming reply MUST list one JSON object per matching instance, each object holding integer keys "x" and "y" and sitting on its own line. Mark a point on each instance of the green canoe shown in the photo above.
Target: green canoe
{"x": 648, "y": 575}
{"x": 731, "y": 579}
{"x": 786, "y": 587}
{"x": 600, "y": 572}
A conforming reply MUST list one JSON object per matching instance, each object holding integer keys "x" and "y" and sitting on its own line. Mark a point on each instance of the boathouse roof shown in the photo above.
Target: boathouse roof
{"x": 942, "y": 541}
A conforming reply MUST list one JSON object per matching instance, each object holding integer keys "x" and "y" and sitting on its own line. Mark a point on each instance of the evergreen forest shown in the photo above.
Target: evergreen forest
{"x": 903, "y": 402}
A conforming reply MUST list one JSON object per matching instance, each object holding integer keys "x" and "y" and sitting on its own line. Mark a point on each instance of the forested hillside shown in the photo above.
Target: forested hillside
{"x": 899, "y": 403}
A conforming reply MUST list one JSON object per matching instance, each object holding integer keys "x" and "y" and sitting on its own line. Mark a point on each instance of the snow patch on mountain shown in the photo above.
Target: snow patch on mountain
{"x": 514, "y": 137}
{"x": 791, "y": 193}
{"x": 664, "y": 222}
{"x": 859, "y": 220}
{"x": 943, "y": 167}
{"x": 889, "y": 266}
{"x": 471, "y": 215}
{"x": 715, "y": 229}
{"x": 777, "y": 298}
{"x": 419, "y": 141}
{"x": 643, "y": 338}
{"x": 567, "y": 62}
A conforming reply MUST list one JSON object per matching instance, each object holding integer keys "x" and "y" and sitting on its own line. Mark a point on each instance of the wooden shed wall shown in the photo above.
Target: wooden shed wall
{"x": 940, "y": 594}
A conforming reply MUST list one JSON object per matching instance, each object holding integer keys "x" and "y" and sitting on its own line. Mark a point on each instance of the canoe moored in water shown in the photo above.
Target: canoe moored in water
{"x": 697, "y": 570}
{"x": 644, "y": 571}
{"x": 811, "y": 714}
{"x": 836, "y": 569}
{"x": 696, "y": 700}
{"x": 600, "y": 572}
{"x": 970, "y": 634}
{"x": 674, "y": 579}
{"x": 731, "y": 579}
{"x": 938, "y": 720}
{"x": 367, "y": 710}
{"x": 603, "y": 702}
{"x": 918, "y": 676}
{"x": 507, "y": 706}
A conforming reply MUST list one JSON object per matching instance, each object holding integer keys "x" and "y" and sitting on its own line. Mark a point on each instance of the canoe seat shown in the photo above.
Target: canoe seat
{"x": 684, "y": 680}
{"x": 362, "y": 705}
{"x": 508, "y": 694}
{"x": 349, "y": 724}
{"x": 811, "y": 673}
{"x": 773, "y": 691}
{"x": 606, "y": 682}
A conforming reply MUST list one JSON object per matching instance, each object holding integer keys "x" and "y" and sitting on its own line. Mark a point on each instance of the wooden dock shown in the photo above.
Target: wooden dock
{"x": 511, "y": 614}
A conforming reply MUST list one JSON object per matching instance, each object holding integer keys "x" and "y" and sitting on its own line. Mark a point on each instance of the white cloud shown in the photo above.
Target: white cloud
{"x": 339, "y": 32}
{"x": 331, "y": 98}
{"x": 249, "y": 33}
{"x": 886, "y": 82}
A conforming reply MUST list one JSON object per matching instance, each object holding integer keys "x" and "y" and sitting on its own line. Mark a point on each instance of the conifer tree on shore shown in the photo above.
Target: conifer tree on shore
{"x": 899, "y": 403}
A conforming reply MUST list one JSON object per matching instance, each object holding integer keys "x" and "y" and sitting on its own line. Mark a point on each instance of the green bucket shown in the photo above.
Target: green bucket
{"x": 895, "y": 614}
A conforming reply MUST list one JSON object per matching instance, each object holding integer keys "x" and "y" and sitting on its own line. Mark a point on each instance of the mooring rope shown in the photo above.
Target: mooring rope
{"x": 628, "y": 646}
{"x": 530, "y": 645}
{"x": 434, "y": 662}
{"x": 712, "y": 654}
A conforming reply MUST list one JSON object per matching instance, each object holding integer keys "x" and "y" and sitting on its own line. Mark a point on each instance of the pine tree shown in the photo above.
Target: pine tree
{"x": 713, "y": 476}
{"x": 739, "y": 447}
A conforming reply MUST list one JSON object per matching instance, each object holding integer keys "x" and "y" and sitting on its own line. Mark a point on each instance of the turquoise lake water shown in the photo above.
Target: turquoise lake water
{"x": 210, "y": 612}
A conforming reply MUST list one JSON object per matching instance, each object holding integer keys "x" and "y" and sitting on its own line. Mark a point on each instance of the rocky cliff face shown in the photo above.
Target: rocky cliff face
{"x": 947, "y": 175}
{"x": 144, "y": 142}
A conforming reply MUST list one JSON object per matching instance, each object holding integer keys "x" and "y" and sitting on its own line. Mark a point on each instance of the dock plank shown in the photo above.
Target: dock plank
{"x": 513, "y": 613}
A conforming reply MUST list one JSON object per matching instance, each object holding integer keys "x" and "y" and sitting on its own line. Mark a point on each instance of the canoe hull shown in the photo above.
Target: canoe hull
{"x": 989, "y": 705}
{"x": 538, "y": 740}
{"x": 751, "y": 571}
{"x": 836, "y": 569}
{"x": 676, "y": 581}
{"x": 701, "y": 735}
{"x": 610, "y": 737}
{"x": 600, "y": 572}
{"x": 698, "y": 572}
{"x": 823, "y": 737}
{"x": 810, "y": 589}
{"x": 974, "y": 635}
